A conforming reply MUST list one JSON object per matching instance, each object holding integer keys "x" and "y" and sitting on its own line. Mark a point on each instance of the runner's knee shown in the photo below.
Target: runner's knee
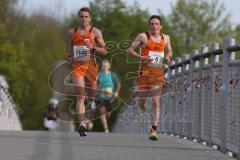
{"x": 81, "y": 97}
{"x": 155, "y": 101}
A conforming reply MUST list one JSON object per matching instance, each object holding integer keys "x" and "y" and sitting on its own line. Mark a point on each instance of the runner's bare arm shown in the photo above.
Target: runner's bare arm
{"x": 139, "y": 41}
{"x": 135, "y": 44}
{"x": 117, "y": 87}
{"x": 168, "y": 49}
{"x": 101, "y": 46}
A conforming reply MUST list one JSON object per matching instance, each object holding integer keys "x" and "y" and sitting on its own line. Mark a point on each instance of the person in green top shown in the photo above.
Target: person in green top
{"x": 109, "y": 86}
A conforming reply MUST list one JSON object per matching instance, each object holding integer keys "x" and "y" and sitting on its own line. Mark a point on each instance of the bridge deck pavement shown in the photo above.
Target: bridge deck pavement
{"x": 42, "y": 145}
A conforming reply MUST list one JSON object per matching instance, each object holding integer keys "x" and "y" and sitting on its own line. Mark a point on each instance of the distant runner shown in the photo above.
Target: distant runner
{"x": 109, "y": 85}
{"x": 85, "y": 40}
{"x": 155, "y": 47}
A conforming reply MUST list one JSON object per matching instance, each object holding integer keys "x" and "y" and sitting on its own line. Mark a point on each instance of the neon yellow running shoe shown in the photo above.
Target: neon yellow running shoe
{"x": 153, "y": 136}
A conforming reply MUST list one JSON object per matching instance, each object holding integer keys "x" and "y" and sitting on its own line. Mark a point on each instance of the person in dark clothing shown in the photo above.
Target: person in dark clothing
{"x": 50, "y": 117}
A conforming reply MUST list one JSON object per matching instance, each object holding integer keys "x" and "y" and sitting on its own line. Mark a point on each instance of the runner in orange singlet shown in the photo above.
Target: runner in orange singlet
{"x": 155, "y": 47}
{"x": 85, "y": 40}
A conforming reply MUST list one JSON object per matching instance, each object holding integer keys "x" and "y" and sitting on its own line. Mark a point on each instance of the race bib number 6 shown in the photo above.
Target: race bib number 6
{"x": 157, "y": 57}
{"x": 81, "y": 53}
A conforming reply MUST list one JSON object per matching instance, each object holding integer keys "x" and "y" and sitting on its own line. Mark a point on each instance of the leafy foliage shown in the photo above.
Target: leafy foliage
{"x": 13, "y": 63}
{"x": 194, "y": 23}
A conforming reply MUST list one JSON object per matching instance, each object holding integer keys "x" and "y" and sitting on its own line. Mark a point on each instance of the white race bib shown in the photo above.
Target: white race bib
{"x": 157, "y": 58}
{"x": 81, "y": 53}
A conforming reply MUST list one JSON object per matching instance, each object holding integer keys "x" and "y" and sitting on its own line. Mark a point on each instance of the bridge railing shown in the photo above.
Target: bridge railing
{"x": 201, "y": 100}
{"x": 9, "y": 119}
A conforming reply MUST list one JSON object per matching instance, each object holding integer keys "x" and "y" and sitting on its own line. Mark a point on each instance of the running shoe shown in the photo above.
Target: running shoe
{"x": 153, "y": 135}
{"x": 92, "y": 104}
{"x": 82, "y": 130}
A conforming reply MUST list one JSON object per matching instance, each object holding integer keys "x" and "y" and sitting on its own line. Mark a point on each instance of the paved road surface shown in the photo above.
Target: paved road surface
{"x": 37, "y": 145}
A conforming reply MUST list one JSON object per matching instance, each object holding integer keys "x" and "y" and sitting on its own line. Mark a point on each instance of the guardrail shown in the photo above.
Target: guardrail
{"x": 201, "y": 100}
{"x": 9, "y": 119}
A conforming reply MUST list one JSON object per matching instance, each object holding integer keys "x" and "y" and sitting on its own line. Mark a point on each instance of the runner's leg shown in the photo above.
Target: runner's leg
{"x": 103, "y": 118}
{"x": 79, "y": 85}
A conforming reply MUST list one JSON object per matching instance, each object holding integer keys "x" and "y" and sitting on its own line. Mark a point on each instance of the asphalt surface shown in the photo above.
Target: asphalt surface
{"x": 54, "y": 145}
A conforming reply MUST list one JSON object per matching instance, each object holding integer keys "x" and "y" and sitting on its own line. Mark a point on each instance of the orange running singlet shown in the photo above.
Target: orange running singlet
{"x": 86, "y": 67}
{"x": 149, "y": 75}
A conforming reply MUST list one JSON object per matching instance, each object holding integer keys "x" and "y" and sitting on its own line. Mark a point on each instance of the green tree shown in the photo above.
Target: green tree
{"x": 45, "y": 39}
{"x": 236, "y": 34}
{"x": 6, "y": 9}
{"x": 194, "y": 23}
{"x": 13, "y": 66}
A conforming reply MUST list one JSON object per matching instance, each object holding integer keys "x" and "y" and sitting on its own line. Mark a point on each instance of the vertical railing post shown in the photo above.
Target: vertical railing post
{"x": 166, "y": 114}
{"x": 187, "y": 119}
{"x": 163, "y": 112}
{"x": 172, "y": 99}
{"x": 186, "y": 115}
{"x": 214, "y": 59}
{"x": 204, "y": 119}
{"x": 200, "y": 64}
{"x": 179, "y": 107}
{"x": 224, "y": 93}
{"x": 192, "y": 64}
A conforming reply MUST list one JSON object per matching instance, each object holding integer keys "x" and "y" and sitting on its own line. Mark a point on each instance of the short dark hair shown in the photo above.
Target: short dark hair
{"x": 155, "y": 16}
{"x": 85, "y": 9}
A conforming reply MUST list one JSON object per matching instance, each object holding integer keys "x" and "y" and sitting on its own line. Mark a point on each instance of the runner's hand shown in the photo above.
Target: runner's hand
{"x": 146, "y": 59}
{"x": 167, "y": 58}
{"x": 89, "y": 45}
{"x": 114, "y": 97}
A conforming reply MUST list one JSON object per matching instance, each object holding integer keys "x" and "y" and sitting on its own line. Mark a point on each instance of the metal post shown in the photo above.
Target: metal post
{"x": 213, "y": 59}
{"x": 194, "y": 52}
{"x": 165, "y": 116}
{"x": 188, "y": 66}
{"x": 204, "y": 119}
{"x": 200, "y": 64}
{"x": 186, "y": 114}
{"x": 232, "y": 42}
{"x": 224, "y": 93}
{"x": 179, "y": 115}
{"x": 172, "y": 114}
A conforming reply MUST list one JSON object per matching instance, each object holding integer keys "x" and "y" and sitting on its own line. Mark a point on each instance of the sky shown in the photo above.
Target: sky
{"x": 65, "y": 7}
